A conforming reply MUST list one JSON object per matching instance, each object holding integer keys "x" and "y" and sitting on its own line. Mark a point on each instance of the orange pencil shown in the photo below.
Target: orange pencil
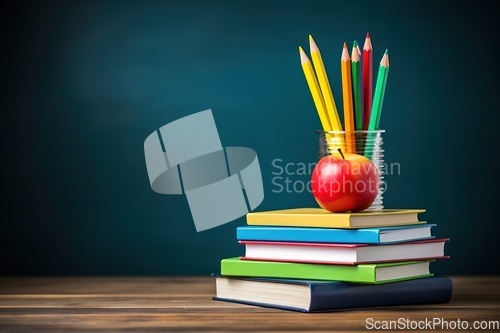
{"x": 345, "y": 66}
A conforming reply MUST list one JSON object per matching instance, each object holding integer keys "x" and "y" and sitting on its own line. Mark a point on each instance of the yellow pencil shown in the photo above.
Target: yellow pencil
{"x": 312, "y": 82}
{"x": 345, "y": 66}
{"x": 324, "y": 84}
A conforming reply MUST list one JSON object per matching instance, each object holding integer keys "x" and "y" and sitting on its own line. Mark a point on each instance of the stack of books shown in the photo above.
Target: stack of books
{"x": 311, "y": 260}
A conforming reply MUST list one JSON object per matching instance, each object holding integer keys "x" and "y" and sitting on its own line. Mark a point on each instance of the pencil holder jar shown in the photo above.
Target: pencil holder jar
{"x": 366, "y": 143}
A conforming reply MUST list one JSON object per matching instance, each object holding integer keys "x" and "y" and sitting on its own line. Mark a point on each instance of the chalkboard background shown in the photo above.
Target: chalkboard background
{"x": 82, "y": 86}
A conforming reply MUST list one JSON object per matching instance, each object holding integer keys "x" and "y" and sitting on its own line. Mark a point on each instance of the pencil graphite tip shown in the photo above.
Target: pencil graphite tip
{"x": 345, "y": 45}
{"x": 368, "y": 35}
{"x": 386, "y": 51}
{"x": 354, "y": 44}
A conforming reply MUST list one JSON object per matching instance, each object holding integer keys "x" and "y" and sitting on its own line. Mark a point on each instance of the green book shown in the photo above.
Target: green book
{"x": 366, "y": 273}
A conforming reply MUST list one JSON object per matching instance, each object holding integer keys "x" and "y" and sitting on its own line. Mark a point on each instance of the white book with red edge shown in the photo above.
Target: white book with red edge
{"x": 344, "y": 254}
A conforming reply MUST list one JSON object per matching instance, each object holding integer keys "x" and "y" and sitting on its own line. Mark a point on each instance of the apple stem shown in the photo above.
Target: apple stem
{"x": 341, "y": 153}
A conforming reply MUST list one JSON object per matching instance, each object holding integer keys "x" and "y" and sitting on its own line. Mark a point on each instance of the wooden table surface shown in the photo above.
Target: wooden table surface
{"x": 177, "y": 304}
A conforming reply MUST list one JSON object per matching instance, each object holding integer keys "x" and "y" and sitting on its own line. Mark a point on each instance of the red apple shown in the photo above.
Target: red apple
{"x": 345, "y": 182}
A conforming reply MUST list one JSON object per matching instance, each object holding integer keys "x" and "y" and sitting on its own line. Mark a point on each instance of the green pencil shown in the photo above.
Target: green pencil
{"x": 356, "y": 87}
{"x": 378, "y": 100}
{"x": 378, "y": 95}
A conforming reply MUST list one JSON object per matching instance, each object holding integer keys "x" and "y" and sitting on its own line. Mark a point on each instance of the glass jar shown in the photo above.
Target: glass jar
{"x": 366, "y": 143}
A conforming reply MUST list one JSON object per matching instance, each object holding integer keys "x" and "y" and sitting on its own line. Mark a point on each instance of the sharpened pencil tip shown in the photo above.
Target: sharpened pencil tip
{"x": 385, "y": 60}
{"x": 345, "y": 54}
{"x": 357, "y": 47}
{"x": 355, "y": 44}
{"x": 368, "y": 43}
{"x": 312, "y": 45}
{"x": 355, "y": 53}
{"x": 303, "y": 57}
{"x": 386, "y": 51}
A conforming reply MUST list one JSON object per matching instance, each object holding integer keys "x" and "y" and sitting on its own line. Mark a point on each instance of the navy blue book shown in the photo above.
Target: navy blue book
{"x": 385, "y": 235}
{"x": 327, "y": 296}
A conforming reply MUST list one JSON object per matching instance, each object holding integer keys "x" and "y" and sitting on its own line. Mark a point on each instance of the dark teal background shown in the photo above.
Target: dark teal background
{"x": 82, "y": 86}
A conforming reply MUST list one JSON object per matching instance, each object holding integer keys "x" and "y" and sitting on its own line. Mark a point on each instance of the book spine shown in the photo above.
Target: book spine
{"x": 300, "y": 221}
{"x": 307, "y": 235}
{"x": 430, "y": 290}
{"x": 360, "y": 273}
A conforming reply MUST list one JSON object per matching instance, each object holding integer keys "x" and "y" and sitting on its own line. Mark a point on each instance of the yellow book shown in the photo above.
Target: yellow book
{"x": 320, "y": 218}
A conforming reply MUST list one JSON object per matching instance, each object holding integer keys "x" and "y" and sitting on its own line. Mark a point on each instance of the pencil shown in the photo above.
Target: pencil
{"x": 367, "y": 80}
{"x": 324, "y": 84}
{"x": 357, "y": 47}
{"x": 356, "y": 87}
{"x": 378, "y": 96}
{"x": 345, "y": 66}
{"x": 312, "y": 82}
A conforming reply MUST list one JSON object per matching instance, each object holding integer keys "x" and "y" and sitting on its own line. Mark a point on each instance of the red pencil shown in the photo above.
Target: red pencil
{"x": 367, "y": 81}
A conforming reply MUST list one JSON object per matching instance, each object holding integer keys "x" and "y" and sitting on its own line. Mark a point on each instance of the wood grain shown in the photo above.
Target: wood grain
{"x": 184, "y": 304}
